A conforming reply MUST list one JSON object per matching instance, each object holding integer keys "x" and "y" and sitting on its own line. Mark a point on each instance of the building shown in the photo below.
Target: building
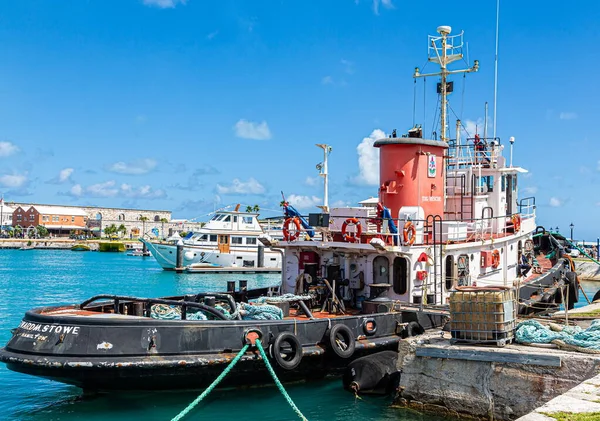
{"x": 58, "y": 220}
{"x": 6, "y": 214}
{"x": 155, "y": 223}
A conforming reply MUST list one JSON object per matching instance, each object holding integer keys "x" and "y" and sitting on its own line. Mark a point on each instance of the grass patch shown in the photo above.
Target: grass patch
{"x": 593, "y": 313}
{"x": 567, "y": 416}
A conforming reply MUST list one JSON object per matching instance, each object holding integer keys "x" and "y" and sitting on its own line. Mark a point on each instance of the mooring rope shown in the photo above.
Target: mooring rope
{"x": 212, "y": 385}
{"x": 277, "y": 382}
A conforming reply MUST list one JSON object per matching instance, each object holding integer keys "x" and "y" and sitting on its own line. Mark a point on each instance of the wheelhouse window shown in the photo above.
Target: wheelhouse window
{"x": 250, "y": 240}
{"x": 227, "y": 219}
{"x": 236, "y": 240}
{"x": 213, "y": 238}
{"x": 247, "y": 219}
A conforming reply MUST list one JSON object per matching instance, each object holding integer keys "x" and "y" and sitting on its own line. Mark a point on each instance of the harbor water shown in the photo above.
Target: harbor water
{"x": 35, "y": 278}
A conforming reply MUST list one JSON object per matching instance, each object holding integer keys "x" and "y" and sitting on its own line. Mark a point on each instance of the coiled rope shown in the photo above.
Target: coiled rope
{"x": 212, "y": 385}
{"x": 532, "y": 331}
{"x": 277, "y": 382}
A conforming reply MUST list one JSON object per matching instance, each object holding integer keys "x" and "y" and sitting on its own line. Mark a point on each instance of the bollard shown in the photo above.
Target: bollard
{"x": 179, "y": 261}
{"x": 261, "y": 256}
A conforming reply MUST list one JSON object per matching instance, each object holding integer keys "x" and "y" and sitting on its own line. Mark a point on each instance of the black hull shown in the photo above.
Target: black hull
{"x": 138, "y": 353}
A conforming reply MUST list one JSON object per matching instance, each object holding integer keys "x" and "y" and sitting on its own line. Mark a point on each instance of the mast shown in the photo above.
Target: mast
{"x": 322, "y": 167}
{"x": 443, "y": 50}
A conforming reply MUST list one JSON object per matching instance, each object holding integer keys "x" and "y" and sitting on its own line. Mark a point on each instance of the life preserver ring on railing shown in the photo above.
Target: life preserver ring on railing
{"x": 410, "y": 233}
{"x": 351, "y": 237}
{"x": 495, "y": 258}
{"x": 291, "y": 236}
{"x": 516, "y": 221}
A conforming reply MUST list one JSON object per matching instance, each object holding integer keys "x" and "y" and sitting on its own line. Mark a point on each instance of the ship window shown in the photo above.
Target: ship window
{"x": 250, "y": 240}
{"x": 400, "y": 275}
{"x": 214, "y": 217}
{"x": 236, "y": 240}
{"x": 514, "y": 183}
{"x": 227, "y": 219}
{"x": 219, "y": 217}
{"x": 203, "y": 237}
{"x": 488, "y": 182}
{"x": 235, "y": 219}
{"x": 449, "y": 272}
{"x": 503, "y": 183}
{"x": 247, "y": 219}
{"x": 213, "y": 238}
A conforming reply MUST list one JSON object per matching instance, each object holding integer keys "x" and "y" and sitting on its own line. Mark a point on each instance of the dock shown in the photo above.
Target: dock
{"x": 485, "y": 382}
{"x": 230, "y": 269}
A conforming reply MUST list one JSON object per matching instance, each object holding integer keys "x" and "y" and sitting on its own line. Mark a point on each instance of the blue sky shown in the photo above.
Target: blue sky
{"x": 188, "y": 105}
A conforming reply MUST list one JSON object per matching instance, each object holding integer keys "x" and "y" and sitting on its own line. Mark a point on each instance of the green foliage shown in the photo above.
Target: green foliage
{"x": 42, "y": 231}
{"x": 567, "y": 416}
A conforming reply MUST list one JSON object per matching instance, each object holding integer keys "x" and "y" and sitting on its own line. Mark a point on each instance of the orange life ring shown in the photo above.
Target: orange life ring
{"x": 516, "y": 221}
{"x": 291, "y": 236}
{"x": 410, "y": 233}
{"x": 352, "y": 237}
{"x": 495, "y": 258}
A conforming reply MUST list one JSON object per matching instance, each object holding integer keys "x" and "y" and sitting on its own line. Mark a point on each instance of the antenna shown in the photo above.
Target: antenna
{"x": 496, "y": 65}
{"x": 443, "y": 50}
{"x": 322, "y": 167}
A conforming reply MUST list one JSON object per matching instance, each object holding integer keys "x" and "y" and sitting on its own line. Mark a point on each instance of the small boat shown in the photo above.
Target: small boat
{"x": 28, "y": 247}
{"x": 229, "y": 238}
{"x": 139, "y": 252}
{"x": 80, "y": 247}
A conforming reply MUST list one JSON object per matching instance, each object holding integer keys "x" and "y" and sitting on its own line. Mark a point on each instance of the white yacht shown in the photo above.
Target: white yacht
{"x": 229, "y": 239}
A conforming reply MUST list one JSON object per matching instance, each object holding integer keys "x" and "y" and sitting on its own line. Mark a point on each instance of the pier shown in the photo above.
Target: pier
{"x": 486, "y": 382}
{"x": 231, "y": 269}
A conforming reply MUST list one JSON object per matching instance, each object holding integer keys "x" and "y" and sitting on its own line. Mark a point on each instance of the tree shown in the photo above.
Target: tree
{"x": 143, "y": 219}
{"x": 163, "y": 221}
{"x": 248, "y": 209}
{"x": 256, "y": 208}
{"x": 122, "y": 229}
{"x": 110, "y": 230}
{"x": 18, "y": 231}
{"x": 42, "y": 231}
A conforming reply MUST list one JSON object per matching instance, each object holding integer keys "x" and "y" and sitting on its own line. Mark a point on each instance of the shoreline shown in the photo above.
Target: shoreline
{"x": 58, "y": 243}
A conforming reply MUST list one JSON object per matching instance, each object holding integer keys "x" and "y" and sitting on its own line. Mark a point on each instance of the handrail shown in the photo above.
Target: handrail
{"x": 149, "y": 301}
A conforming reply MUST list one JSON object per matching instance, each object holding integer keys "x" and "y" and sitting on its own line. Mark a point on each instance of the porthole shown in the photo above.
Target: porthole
{"x": 472, "y": 257}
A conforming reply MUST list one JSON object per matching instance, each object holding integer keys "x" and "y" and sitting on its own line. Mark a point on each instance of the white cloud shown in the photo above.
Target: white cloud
{"x": 164, "y": 4}
{"x": 339, "y": 204}
{"x": 567, "y": 115}
{"x": 304, "y": 202}
{"x": 250, "y": 130}
{"x": 385, "y": 3}
{"x": 241, "y": 187}
{"x": 327, "y": 80}
{"x": 212, "y": 35}
{"x": 555, "y": 202}
{"x": 141, "y": 166}
{"x": 311, "y": 181}
{"x": 110, "y": 189}
{"x": 473, "y": 127}
{"x": 530, "y": 190}
{"x": 13, "y": 180}
{"x": 368, "y": 159}
{"x": 65, "y": 174}
{"x": 348, "y": 66}
{"x": 8, "y": 148}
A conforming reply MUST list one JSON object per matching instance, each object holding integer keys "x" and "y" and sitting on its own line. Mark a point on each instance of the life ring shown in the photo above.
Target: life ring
{"x": 516, "y": 221}
{"x": 369, "y": 326}
{"x": 495, "y": 258}
{"x": 286, "y": 351}
{"x": 351, "y": 237}
{"x": 341, "y": 340}
{"x": 410, "y": 233}
{"x": 291, "y": 236}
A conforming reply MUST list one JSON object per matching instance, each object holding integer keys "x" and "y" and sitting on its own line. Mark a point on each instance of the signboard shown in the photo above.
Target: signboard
{"x": 431, "y": 166}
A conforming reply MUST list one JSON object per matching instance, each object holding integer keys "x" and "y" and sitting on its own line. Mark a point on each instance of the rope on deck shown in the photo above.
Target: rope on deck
{"x": 569, "y": 337}
{"x": 212, "y": 385}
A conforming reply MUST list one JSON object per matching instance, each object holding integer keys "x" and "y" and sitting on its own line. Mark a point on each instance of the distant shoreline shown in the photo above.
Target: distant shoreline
{"x": 56, "y": 243}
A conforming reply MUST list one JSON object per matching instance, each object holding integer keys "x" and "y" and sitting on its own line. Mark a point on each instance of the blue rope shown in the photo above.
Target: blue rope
{"x": 532, "y": 331}
{"x": 212, "y": 385}
{"x": 277, "y": 382}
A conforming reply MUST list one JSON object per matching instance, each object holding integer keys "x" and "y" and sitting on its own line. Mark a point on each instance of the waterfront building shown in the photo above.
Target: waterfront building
{"x": 6, "y": 213}
{"x": 58, "y": 220}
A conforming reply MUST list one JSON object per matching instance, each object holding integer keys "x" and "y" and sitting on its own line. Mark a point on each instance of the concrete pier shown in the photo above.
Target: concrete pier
{"x": 485, "y": 382}
{"x": 587, "y": 270}
{"x": 583, "y": 400}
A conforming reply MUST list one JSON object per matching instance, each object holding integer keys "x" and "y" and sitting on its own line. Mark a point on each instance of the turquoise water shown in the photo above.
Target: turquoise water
{"x": 44, "y": 277}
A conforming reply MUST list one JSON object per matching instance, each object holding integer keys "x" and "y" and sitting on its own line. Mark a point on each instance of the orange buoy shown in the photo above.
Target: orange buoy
{"x": 351, "y": 237}
{"x": 410, "y": 233}
{"x": 291, "y": 235}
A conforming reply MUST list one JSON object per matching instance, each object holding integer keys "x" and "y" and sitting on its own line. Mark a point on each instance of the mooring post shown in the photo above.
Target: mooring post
{"x": 261, "y": 256}
{"x": 179, "y": 261}
{"x": 230, "y": 287}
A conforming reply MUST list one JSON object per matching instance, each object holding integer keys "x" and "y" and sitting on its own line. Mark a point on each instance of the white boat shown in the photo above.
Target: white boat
{"x": 229, "y": 239}
{"x": 446, "y": 215}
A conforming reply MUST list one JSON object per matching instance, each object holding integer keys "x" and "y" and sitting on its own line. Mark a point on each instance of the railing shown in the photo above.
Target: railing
{"x": 527, "y": 206}
{"x": 484, "y": 153}
{"x": 438, "y": 230}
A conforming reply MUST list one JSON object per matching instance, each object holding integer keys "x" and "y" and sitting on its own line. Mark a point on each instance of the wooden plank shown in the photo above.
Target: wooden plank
{"x": 490, "y": 356}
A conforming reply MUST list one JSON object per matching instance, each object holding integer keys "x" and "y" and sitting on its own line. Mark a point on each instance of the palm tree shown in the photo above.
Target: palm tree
{"x": 110, "y": 230}
{"x": 122, "y": 229}
{"x": 143, "y": 219}
{"x": 42, "y": 231}
{"x": 256, "y": 208}
{"x": 18, "y": 231}
{"x": 163, "y": 221}
{"x": 248, "y": 209}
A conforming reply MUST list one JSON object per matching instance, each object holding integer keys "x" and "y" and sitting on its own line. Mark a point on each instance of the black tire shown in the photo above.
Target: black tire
{"x": 596, "y": 296}
{"x": 370, "y": 322}
{"x": 413, "y": 329}
{"x": 573, "y": 285}
{"x": 341, "y": 340}
{"x": 287, "y": 351}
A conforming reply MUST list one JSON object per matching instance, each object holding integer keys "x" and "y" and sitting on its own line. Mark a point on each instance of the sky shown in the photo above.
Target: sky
{"x": 189, "y": 106}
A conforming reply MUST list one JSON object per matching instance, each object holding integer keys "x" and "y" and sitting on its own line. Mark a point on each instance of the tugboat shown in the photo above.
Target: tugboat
{"x": 354, "y": 280}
